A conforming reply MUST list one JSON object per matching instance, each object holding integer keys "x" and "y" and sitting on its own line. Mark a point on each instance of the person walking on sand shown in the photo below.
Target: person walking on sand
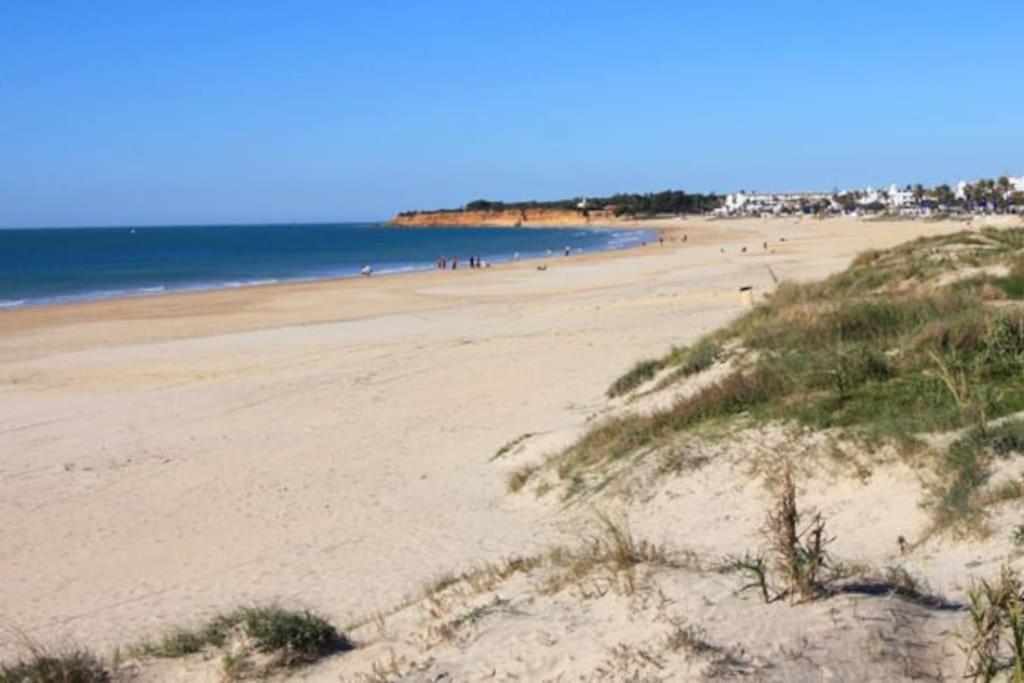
{"x": 661, "y": 240}
{"x": 568, "y": 250}
{"x": 367, "y": 271}
{"x": 455, "y": 262}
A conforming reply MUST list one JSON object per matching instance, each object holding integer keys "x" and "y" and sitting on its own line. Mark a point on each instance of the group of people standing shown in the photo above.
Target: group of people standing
{"x": 444, "y": 263}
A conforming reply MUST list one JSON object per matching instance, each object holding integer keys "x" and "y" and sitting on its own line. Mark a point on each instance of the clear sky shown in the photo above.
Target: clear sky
{"x": 191, "y": 112}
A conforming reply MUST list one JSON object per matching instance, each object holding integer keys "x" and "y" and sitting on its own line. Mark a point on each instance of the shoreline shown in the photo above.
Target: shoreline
{"x": 239, "y": 309}
{"x": 397, "y": 269}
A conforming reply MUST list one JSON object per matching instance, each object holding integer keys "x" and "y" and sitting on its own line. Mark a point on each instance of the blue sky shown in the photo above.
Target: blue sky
{"x": 195, "y": 112}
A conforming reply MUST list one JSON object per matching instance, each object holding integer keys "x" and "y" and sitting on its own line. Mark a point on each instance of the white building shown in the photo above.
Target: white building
{"x": 757, "y": 203}
{"x": 899, "y": 198}
{"x": 961, "y": 190}
{"x": 871, "y": 196}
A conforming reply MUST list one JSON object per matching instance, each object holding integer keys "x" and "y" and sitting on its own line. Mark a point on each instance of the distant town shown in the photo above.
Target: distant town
{"x": 1002, "y": 195}
{"x": 985, "y": 196}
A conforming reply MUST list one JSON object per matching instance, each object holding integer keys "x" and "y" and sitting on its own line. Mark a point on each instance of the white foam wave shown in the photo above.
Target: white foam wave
{"x": 248, "y": 283}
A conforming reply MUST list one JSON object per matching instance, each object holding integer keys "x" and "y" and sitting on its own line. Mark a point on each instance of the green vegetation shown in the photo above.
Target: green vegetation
{"x": 1012, "y": 285}
{"x": 890, "y": 348}
{"x": 298, "y": 637}
{"x": 289, "y": 639}
{"x": 986, "y": 194}
{"x": 965, "y": 469}
{"x": 76, "y": 666}
{"x": 643, "y": 371}
{"x": 684, "y": 361}
{"x": 622, "y": 204}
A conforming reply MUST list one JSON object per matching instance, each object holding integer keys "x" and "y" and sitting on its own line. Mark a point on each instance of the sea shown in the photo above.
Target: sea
{"x": 42, "y": 266}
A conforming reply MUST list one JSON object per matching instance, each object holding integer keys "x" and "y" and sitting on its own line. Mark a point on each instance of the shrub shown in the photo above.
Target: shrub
{"x": 303, "y": 636}
{"x": 641, "y": 372}
{"x": 38, "y": 666}
{"x": 965, "y": 470}
{"x": 700, "y": 358}
{"x": 297, "y": 637}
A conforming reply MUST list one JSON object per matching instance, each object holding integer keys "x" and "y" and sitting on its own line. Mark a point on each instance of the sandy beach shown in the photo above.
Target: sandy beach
{"x": 327, "y": 444}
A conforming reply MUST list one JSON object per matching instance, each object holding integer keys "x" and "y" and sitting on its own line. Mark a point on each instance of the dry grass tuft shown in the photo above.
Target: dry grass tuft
{"x": 517, "y": 478}
{"x": 994, "y": 640}
{"x": 800, "y": 556}
{"x": 797, "y": 549}
{"x": 610, "y": 553}
{"x": 511, "y": 446}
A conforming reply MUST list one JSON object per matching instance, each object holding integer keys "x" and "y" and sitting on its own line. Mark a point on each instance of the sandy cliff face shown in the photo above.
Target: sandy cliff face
{"x": 502, "y": 218}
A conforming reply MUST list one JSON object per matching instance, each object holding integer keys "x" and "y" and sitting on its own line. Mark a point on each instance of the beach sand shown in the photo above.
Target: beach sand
{"x": 327, "y": 444}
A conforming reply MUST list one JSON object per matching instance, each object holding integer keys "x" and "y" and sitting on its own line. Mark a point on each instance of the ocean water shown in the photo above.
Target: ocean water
{"x": 45, "y": 266}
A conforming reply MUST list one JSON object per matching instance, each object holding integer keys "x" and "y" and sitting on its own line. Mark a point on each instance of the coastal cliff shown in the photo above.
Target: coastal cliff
{"x": 506, "y": 218}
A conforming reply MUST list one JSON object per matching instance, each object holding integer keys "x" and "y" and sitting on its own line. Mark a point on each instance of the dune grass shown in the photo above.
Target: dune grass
{"x": 300, "y": 637}
{"x": 611, "y": 548}
{"x": 642, "y": 371}
{"x": 39, "y": 666}
{"x": 879, "y": 351}
{"x": 994, "y": 639}
{"x": 684, "y": 362}
{"x": 290, "y": 638}
{"x": 511, "y": 445}
{"x": 1012, "y": 284}
{"x": 965, "y": 467}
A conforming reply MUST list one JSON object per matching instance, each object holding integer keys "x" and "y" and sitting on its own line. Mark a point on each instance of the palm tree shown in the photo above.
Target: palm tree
{"x": 918, "y": 192}
{"x": 944, "y": 195}
{"x": 1002, "y": 191}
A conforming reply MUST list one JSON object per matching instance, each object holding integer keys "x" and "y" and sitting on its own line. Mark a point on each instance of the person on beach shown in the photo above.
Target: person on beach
{"x": 472, "y": 262}
{"x": 662, "y": 241}
{"x": 515, "y": 256}
{"x": 568, "y": 250}
{"x": 367, "y": 271}
{"x": 455, "y": 262}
